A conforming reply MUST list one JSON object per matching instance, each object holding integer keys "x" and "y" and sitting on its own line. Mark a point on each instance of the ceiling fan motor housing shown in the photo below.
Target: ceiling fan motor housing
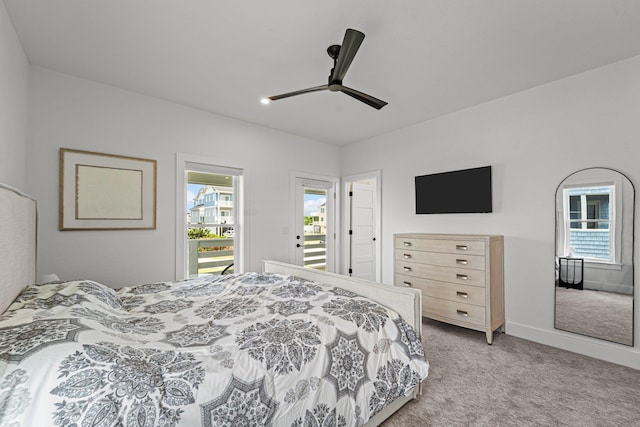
{"x": 334, "y": 85}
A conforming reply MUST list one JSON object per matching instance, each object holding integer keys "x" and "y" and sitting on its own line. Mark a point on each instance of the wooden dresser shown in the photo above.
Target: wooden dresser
{"x": 461, "y": 277}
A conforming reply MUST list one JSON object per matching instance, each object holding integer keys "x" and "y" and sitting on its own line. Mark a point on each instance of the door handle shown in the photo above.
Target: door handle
{"x": 297, "y": 245}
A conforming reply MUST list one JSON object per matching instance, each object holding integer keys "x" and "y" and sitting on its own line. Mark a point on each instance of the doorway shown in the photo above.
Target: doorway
{"x": 211, "y": 223}
{"x": 209, "y": 218}
{"x": 314, "y": 243}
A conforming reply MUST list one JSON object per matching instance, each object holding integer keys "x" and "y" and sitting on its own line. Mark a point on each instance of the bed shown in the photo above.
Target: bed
{"x": 286, "y": 346}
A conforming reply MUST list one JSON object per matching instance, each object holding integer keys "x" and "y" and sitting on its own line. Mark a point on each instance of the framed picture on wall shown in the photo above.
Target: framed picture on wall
{"x": 106, "y": 192}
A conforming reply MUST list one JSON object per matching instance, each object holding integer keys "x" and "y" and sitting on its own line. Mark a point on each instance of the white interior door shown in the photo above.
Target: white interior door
{"x": 314, "y": 228}
{"x": 362, "y": 230}
{"x": 362, "y": 219}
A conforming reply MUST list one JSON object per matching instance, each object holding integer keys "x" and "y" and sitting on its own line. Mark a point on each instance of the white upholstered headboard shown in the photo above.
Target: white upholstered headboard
{"x": 17, "y": 243}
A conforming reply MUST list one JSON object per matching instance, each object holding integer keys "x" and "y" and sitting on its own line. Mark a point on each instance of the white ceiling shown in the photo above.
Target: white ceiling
{"x": 425, "y": 58}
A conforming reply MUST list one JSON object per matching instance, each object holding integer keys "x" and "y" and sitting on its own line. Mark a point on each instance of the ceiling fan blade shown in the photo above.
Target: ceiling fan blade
{"x": 298, "y": 92}
{"x": 350, "y": 45}
{"x": 363, "y": 97}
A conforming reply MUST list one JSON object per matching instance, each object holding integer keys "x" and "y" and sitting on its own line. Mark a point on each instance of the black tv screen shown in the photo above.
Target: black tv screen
{"x": 461, "y": 191}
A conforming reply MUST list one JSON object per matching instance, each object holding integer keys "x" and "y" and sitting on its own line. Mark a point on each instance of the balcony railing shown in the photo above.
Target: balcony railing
{"x": 209, "y": 256}
{"x": 315, "y": 251}
{"x": 212, "y": 256}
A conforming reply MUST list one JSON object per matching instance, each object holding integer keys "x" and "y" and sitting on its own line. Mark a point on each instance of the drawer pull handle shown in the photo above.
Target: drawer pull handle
{"x": 462, "y": 261}
{"x": 462, "y": 247}
{"x": 462, "y": 313}
{"x": 461, "y": 294}
{"x": 461, "y": 276}
{"x": 408, "y": 284}
{"x": 406, "y": 268}
{"x": 407, "y": 256}
{"x": 407, "y": 243}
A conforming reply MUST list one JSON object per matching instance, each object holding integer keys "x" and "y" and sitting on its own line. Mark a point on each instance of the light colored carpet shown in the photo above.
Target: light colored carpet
{"x": 516, "y": 382}
{"x": 604, "y": 315}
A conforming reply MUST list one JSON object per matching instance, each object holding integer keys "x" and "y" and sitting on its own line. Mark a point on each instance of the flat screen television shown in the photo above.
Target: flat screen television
{"x": 461, "y": 191}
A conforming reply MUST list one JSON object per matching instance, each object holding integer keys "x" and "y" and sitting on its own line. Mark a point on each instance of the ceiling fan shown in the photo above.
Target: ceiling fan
{"x": 342, "y": 57}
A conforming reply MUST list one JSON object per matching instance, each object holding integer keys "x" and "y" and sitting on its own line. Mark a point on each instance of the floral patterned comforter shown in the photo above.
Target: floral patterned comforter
{"x": 245, "y": 349}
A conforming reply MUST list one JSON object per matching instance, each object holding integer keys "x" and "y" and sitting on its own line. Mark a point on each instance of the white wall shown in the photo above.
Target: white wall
{"x": 14, "y": 89}
{"x": 533, "y": 140}
{"x": 73, "y": 113}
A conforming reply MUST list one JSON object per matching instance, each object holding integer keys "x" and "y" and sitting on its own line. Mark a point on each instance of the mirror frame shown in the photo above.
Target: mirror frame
{"x": 633, "y": 281}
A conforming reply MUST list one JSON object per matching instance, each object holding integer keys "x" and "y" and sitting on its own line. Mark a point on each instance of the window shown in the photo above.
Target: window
{"x": 590, "y": 222}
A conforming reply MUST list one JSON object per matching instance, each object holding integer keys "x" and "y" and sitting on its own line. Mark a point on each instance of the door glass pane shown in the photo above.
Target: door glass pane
{"x": 315, "y": 228}
{"x": 211, "y": 223}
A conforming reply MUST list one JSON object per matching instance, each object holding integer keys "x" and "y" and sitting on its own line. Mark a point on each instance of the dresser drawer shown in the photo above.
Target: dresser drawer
{"x": 442, "y": 274}
{"x": 455, "y": 311}
{"x": 475, "y": 262}
{"x": 440, "y": 245}
{"x": 474, "y": 295}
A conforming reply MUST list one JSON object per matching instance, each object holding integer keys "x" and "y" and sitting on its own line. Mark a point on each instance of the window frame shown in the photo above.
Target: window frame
{"x": 615, "y": 212}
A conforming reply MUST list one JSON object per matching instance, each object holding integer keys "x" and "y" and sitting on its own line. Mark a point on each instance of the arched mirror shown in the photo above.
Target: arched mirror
{"x": 594, "y": 255}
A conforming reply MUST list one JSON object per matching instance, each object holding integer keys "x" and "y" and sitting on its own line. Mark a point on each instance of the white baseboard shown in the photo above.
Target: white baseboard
{"x": 609, "y": 287}
{"x": 604, "y": 350}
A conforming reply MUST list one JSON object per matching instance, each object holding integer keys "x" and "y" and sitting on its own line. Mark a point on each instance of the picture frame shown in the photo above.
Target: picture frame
{"x": 106, "y": 192}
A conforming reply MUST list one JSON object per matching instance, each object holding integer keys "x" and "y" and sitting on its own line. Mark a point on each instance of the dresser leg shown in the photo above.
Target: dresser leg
{"x": 489, "y": 337}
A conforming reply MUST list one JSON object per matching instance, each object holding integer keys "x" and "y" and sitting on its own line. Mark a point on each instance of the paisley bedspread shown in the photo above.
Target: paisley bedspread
{"x": 244, "y": 349}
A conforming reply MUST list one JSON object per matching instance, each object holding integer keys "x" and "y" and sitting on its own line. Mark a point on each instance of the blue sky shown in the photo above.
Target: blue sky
{"x": 312, "y": 203}
{"x": 192, "y": 191}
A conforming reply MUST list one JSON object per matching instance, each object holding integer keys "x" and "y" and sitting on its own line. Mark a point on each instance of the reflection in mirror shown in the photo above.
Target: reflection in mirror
{"x": 594, "y": 255}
